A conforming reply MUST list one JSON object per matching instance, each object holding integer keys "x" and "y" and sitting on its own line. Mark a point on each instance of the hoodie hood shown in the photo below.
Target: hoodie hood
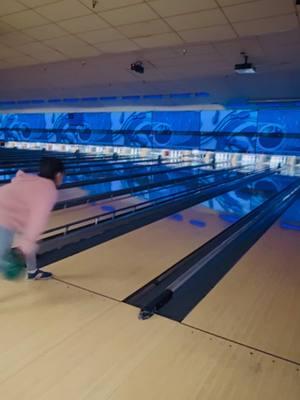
{"x": 24, "y": 177}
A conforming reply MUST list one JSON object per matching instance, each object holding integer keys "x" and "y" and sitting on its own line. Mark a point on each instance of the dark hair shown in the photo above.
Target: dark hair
{"x": 50, "y": 167}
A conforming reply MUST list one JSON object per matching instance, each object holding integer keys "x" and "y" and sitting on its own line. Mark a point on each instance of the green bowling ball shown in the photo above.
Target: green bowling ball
{"x": 14, "y": 266}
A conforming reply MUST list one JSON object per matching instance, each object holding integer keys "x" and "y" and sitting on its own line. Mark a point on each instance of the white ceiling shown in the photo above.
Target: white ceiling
{"x": 178, "y": 40}
{"x": 44, "y": 31}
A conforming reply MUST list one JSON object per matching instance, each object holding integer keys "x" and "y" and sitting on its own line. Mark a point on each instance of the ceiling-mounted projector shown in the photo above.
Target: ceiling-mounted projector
{"x": 245, "y": 67}
{"x": 138, "y": 67}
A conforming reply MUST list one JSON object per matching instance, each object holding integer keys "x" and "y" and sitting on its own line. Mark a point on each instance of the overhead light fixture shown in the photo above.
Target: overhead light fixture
{"x": 246, "y": 67}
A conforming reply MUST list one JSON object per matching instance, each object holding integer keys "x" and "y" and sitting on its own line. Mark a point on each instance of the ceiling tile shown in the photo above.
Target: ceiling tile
{"x": 24, "y": 19}
{"x": 15, "y": 39}
{"x": 50, "y": 56}
{"x": 49, "y": 31}
{"x": 197, "y": 20}
{"x": 41, "y": 52}
{"x": 5, "y": 28}
{"x": 145, "y": 28}
{"x": 129, "y": 15}
{"x": 84, "y": 24}
{"x": 72, "y": 47}
{"x": 35, "y": 48}
{"x": 37, "y": 3}
{"x": 64, "y": 9}
{"x": 224, "y": 3}
{"x": 267, "y": 25}
{"x": 119, "y": 46}
{"x": 165, "y": 39}
{"x": 83, "y": 51}
{"x": 8, "y": 52}
{"x": 167, "y": 8}
{"x": 259, "y": 9}
{"x": 10, "y": 6}
{"x": 105, "y": 5}
{"x": 21, "y": 61}
{"x": 101, "y": 35}
{"x": 210, "y": 34}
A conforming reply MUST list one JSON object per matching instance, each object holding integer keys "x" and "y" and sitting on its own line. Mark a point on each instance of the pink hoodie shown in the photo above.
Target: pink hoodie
{"x": 25, "y": 206}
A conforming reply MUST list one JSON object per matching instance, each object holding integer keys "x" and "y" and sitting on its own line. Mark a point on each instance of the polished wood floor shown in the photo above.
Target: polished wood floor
{"x": 60, "y": 342}
{"x": 121, "y": 266}
{"x": 73, "y": 338}
{"x": 257, "y": 302}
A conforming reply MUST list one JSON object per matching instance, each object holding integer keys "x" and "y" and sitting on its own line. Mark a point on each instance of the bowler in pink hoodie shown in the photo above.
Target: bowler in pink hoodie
{"x": 25, "y": 207}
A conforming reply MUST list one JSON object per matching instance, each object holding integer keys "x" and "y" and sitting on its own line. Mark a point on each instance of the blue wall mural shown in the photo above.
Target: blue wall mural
{"x": 262, "y": 131}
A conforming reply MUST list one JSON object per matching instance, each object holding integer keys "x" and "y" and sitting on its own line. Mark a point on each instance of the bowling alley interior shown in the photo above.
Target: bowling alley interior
{"x": 167, "y": 267}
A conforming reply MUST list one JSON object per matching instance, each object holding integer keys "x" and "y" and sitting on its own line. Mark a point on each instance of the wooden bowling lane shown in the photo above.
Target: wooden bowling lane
{"x": 257, "y": 302}
{"x": 114, "y": 356}
{"x": 120, "y": 266}
{"x": 72, "y": 214}
{"x": 72, "y": 193}
{"x": 35, "y": 316}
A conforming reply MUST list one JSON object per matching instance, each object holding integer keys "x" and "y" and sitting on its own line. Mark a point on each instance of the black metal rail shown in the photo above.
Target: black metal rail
{"x": 97, "y": 197}
{"x": 128, "y": 166}
{"x": 8, "y": 164}
{"x": 72, "y": 233}
{"x": 113, "y": 177}
{"x": 85, "y": 166}
{"x": 178, "y": 290}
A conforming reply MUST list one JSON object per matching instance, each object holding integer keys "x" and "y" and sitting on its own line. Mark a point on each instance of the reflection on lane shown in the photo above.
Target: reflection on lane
{"x": 93, "y": 170}
{"x": 112, "y": 186}
{"x": 117, "y": 171}
{"x": 111, "y": 204}
{"x": 235, "y": 204}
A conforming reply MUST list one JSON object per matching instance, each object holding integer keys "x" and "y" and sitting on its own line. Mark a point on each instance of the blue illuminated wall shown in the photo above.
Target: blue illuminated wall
{"x": 251, "y": 131}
